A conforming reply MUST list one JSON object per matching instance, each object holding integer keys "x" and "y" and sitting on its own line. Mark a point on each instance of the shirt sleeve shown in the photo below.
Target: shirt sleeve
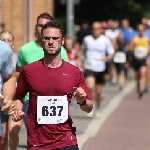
{"x": 7, "y": 67}
{"x": 64, "y": 55}
{"x": 22, "y": 85}
{"x": 110, "y": 48}
{"x": 21, "y": 62}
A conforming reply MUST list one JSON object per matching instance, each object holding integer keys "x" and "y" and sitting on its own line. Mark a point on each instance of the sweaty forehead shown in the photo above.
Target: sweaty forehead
{"x": 51, "y": 32}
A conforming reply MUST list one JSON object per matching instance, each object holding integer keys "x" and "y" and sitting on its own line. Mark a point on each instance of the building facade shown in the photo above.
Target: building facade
{"x": 19, "y": 16}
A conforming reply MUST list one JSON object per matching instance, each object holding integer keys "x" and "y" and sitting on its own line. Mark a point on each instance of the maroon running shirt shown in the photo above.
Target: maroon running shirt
{"x": 40, "y": 80}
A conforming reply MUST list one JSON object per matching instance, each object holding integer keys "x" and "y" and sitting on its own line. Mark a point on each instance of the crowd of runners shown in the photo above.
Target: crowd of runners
{"x": 55, "y": 71}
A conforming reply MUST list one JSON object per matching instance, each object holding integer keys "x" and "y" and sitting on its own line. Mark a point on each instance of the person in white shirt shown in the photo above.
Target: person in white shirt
{"x": 95, "y": 47}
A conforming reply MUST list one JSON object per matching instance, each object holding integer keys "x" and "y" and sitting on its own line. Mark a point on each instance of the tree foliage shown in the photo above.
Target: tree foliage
{"x": 92, "y": 10}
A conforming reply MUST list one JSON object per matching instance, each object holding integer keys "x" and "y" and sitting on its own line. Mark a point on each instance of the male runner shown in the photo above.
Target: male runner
{"x": 51, "y": 83}
{"x": 139, "y": 44}
{"x": 96, "y": 46}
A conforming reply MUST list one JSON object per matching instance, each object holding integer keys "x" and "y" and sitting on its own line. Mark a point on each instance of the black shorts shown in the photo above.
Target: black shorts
{"x": 99, "y": 76}
{"x": 107, "y": 67}
{"x": 120, "y": 68}
{"x": 137, "y": 63}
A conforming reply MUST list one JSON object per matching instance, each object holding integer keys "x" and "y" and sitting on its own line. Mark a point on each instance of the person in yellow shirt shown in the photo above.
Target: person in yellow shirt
{"x": 139, "y": 45}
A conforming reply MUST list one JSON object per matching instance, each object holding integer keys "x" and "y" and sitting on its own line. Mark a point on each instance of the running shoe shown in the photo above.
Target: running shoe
{"x": 90, "y": 115}
{"x": 98, "y": 114}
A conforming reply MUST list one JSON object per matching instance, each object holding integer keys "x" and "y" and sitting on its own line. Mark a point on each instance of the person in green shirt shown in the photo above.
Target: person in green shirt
{"x": 33, "y": 51}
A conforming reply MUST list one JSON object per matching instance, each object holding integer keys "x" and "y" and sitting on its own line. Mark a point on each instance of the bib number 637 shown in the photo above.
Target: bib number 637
{"x": 52, "y": 109}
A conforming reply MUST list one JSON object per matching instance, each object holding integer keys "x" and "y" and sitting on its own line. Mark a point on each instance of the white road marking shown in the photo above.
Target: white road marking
{"x": 95, "y": 124}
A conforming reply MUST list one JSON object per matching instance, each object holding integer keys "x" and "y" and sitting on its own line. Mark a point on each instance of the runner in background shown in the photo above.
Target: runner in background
{"x": 128, "y": 34}
{"x": 9, "y": 126}
{"x": 72, "y": 53}
{"x": 146, "y": 22}
{"x": 84, "y": 30}
{"x": 95, "y": 47}
{"x": 112, "y": 32}
{"x": 119, "y": 60}
{"x": 139, "y": 44}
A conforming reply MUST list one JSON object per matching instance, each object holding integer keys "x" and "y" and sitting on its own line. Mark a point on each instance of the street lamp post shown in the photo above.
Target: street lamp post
{"x": 70, "y": 15}
{"x": 70, "y": 18}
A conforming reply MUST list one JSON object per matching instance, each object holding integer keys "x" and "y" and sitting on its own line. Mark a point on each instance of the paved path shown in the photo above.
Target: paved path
{"x": 86, "y": 128}
{"x": 127, "y": 128}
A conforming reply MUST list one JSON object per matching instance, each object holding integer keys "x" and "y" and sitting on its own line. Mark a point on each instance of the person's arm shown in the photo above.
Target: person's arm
{"x": 9, "y": 86}
{"x": 82, "y": 94}
{"x": 81, "y": 98}
{"x": 9, "y": 82}
{"x": 8, "y": 91}
{"x": 110, "y": 51}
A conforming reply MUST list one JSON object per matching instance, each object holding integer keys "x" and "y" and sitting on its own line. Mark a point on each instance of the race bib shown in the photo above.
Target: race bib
{"x": 119, "y": 57}
{"x": 94, "y": 64}
{"x": 88, "y": 64}
{"x": 140, "y": 52}
{"x": 52, "y": 109}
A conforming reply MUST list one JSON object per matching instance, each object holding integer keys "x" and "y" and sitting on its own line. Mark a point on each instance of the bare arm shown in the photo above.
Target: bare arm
{"x": 18, "y": 70}
{"x": 87, "y": 107}
{"x": 8, "y": 91}
{"x": 80, "y": 96}
{"x": 9, "y": 86}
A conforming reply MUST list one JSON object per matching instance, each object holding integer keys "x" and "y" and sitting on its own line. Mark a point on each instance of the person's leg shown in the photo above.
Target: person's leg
{"x": 136, "y": 66}
{"x": 121, "y": 76}
{"x": 14, "y": 128}
{"x": 4, "y": 137}
{"x": 98, "y": 99}
{"x": 90, "y": 81}
{"x": 142, "y": 81}
{"x": 99, "y": 87}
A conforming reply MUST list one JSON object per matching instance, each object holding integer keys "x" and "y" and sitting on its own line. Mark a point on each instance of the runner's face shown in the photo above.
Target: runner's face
{"x": 96, "y": 30}
{"x": 6, "y": 37}
{"x": 41, "y": 22}
{"x": 141, "y": 30}
{"x": 52, "y": 46}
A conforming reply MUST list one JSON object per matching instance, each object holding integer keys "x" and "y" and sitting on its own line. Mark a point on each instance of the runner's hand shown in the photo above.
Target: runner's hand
{"x": 18, "y": 115}
{"x": 79, "y": 94}
{"x": 7, "y": 106}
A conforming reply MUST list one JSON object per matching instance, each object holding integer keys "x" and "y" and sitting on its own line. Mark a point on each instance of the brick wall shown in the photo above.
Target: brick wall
{"x": 19, "y": 16}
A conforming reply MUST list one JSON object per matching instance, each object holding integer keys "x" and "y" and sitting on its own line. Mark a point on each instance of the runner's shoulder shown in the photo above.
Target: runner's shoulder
{"x": 27, "y": 46}
{"x": 71, "y": 67}
{"x": 34, "y": 64}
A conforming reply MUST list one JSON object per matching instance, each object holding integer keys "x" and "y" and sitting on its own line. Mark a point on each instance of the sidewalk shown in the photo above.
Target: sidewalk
{"x": 126, "y": 128}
